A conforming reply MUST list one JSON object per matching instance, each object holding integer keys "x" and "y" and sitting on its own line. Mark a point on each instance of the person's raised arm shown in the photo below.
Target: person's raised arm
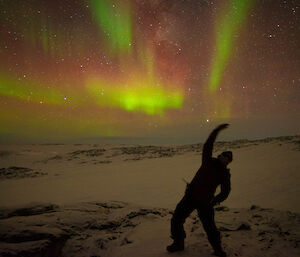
{"x": 208, "y": 146}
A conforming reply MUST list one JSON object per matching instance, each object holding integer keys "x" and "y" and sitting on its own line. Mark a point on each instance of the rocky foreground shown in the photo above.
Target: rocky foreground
{"x": 97, "y": 229}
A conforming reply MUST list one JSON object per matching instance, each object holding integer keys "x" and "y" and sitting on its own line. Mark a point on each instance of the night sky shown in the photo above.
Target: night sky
{"x": 164, "y": 70}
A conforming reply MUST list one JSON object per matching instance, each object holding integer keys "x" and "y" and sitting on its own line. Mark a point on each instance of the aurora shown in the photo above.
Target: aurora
{"x": 127, "y": 68}
{"x": 227, "y": 28}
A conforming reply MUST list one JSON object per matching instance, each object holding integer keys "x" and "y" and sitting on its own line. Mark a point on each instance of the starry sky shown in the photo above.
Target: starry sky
{"x": 162, "y": 71}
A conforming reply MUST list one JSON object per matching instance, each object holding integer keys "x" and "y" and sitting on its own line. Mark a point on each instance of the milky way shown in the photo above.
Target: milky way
{"x": 163, "y": 68}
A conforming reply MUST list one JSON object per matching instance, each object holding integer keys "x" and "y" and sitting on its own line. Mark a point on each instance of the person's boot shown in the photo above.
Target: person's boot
{"x": 176, "y": 246}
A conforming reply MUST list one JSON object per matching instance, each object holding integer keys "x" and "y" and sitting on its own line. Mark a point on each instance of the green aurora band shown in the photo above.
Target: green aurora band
{"x": 29, "y": 91}
{"x": 141, "y": 96}
{"x": 226, "y": 29}
{"x": 144, "y": 98}
{"x": 115, "y": 21}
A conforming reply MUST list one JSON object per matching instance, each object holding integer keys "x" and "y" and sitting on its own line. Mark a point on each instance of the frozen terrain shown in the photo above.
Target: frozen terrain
{"x": 117, "y": 200}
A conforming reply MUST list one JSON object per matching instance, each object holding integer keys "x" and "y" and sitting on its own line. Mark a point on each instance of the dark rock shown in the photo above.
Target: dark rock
{"x": 33, "y": 233}
{"x": 143, "y": 212}
{"x": 34, "y": 242}
{"x": 111, "y": 205}
{"x": 244, "y": 226}
{"x": 89, "y": 153}
{"x": 256, "y": 216}
{"x": 254, "y": 207}
{"x": 28, "y": 211}
{"x": 101, "y": 243}
{"x": 39, "y": 248}
{"x": 19, "y": 172}
{"x": 110, "y": 225}
{"x": 126, "y": 241}
{"x": 221, "y": 208}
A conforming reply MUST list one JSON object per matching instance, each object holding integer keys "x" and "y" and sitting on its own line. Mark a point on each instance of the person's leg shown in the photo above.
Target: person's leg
{"x": 182, "y": 211}
{"x": 207, "y": 217}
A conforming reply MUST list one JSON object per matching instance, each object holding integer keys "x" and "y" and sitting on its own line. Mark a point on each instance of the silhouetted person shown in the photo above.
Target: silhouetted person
{"x": 200, "y": 195}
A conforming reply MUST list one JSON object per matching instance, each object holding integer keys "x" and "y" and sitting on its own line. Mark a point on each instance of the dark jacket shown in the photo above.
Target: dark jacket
{"x": 211, "y": 174}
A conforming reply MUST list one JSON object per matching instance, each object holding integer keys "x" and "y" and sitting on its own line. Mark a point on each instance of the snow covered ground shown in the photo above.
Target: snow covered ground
{"x": 117, "y": 200}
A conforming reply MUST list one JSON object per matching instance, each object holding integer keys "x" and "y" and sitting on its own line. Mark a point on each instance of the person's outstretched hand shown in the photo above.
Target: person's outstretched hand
{"x": 222, "y": 126}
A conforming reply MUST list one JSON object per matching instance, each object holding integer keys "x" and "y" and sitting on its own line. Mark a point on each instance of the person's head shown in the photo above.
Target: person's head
{"x": 225, "y": 158}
